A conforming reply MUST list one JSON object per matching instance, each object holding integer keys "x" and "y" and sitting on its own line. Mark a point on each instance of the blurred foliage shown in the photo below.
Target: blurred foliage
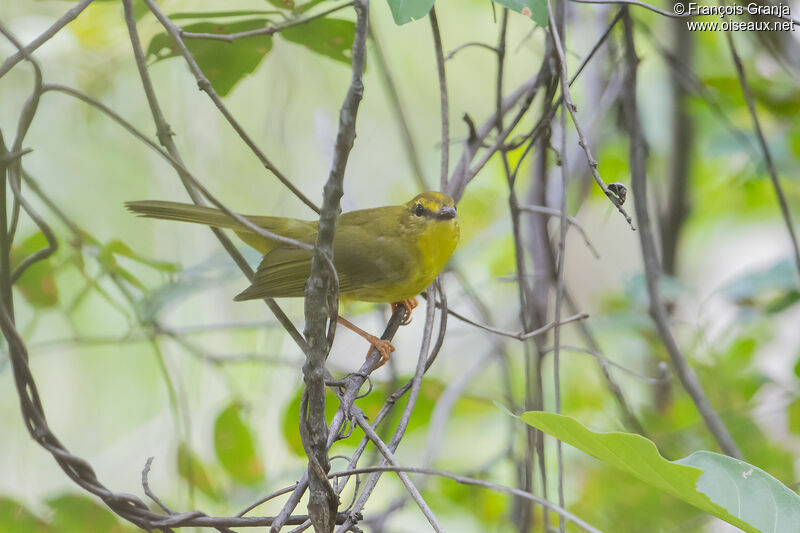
{"x": 236, "y": 448}
{"x": 733, "y": 310}
{"x": 37, "y": 283}
{"x": 70, "y": 513}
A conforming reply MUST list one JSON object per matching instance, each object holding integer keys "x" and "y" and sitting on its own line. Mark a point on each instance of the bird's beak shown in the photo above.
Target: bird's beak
{"x": 446, "y": 213}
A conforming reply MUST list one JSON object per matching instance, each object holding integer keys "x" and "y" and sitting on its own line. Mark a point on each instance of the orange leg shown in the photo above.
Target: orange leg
{"x": 384, "y": 347}
{"x": 410, "y": 304}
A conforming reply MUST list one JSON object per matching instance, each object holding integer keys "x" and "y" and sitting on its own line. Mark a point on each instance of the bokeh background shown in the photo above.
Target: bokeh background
{"x": 116, "y": 391}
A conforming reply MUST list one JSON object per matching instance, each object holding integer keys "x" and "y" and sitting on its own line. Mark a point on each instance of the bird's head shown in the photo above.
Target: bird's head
{"x": 432, "y": 205}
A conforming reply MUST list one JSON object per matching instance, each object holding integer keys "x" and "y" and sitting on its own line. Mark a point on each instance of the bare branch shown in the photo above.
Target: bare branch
{"x": 592, "y": 162}
{"x": 322, "y": 295}
{"x": 458, "y": 48}
{"x": 558, "y": 39}
{"x": 68, "y": 17}
{"x": 570, "y": 219}
{"x": 398, "y": 109}
{"x": 445, "y": 112}
{"x": 473, "y": 482}
{"x": 387, "y": 451}
{"x": 773, "y": 172}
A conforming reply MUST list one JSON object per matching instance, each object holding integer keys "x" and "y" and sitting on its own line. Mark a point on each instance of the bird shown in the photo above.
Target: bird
{"x": 386, "y": 254}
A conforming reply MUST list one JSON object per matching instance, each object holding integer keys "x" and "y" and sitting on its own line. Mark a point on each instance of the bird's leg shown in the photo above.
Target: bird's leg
{"x": 409, "y": 304}
{"x": 383, "y": 346}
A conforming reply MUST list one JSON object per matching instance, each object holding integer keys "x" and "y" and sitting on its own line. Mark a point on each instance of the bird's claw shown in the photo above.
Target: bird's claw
{"x": 410, "y": 304}
{"x": 384, "y": 348}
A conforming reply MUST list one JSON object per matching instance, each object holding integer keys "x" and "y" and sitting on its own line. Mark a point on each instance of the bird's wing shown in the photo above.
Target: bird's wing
{"x": 364, "y": 260}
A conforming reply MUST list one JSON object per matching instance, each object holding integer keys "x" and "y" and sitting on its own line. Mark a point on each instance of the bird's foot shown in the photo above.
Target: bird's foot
{"x": 410, "y": 304}
{"x": 383, "y": 346}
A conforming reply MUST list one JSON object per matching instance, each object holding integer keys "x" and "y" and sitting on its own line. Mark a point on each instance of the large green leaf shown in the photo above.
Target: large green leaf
{"x": 223, "y": 63}
{"x": 404, "y": 11}
{"x": 728, "y": 488}
{"x": 78, "y": 514}
{"x": 235, "y": 447}
{"x": 14, "y": 517}
{"x": 37, "y": 284}
{"x": 535, "y": 9}
{"x": 326, "y": 36}
{"x": 191, "y": 468}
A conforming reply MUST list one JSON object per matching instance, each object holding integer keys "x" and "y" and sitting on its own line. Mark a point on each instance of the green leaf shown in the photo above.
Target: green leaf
{"x": 793, "y": 416}
{"x": 117, "y": 247}
{"x": 14, "y": 517}
{"x": 535, "y": 9}
{"x": 404, "y": 11}
{"x": 224, "y": 64}
{"x": 732, "y": 490}
{"x": 78, "y": 514}
{"x": 291, "y": 418}
{"x": 191, "y": 468}
{"x": 37, "y": 284}
{"x": 235, "y": 447}
{"x": 326, "y": 36}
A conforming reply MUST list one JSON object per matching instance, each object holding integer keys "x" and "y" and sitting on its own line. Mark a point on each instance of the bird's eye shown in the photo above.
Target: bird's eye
{"x": 419, "y": 210}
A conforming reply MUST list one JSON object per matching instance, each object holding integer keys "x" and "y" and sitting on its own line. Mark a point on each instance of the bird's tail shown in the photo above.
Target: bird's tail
{"x": 197, "y": 214}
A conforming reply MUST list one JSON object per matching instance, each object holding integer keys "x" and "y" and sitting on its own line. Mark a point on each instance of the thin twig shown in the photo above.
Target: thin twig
{"x": 45, "y": 36}
{"x": 457, "y": 49}
{"x": 369, "y": 485}
{"x": 322, "y": 295}
{"x": 398, "y": 109}
{"x": 592, "y": 162}
{"x": 353, "y": 385}
{"x": 559, "y": 39}
{"x": 773, "y": 172}
{"x": 445, "y": 112}
{"x": 522, "y": 335}
{"x": 552, "y": 211}
{"x": 476, "y": 483}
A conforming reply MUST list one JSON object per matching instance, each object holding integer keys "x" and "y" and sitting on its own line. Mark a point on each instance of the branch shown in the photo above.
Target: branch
{"x": 458, "y": 48}
{"x": 445, "y": 112}
{"x": 558, "y": 41}
{"x": 476, "y": 483}
{"x": 398, "y": 109}
{"x": 773, "y": 172}
{"x": 570, "y": 219}
{"x": 370, "y": 484}
{"x": 592, "y": 162}
{"x": 652, "y": 267}
{"x": 65, "y": 19}
{"x": 353, "y": 384}
{"x": 462, "y": 174}
{"x": 322, "y": 295}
